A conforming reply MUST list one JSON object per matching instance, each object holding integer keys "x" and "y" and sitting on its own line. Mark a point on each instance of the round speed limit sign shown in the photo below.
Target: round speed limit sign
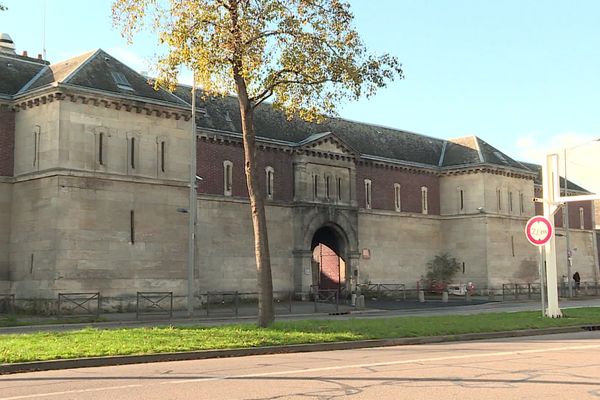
{"x": 538, "y": 230}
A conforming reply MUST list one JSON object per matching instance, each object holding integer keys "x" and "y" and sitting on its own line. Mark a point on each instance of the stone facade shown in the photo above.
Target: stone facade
{"x": 92, "y": 177}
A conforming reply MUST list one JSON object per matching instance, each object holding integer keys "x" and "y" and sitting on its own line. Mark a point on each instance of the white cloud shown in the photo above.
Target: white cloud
{"x": 583, "y": 154}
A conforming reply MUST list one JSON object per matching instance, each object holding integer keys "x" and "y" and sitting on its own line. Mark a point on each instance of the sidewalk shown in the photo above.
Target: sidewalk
{"x": 300, "y": 310}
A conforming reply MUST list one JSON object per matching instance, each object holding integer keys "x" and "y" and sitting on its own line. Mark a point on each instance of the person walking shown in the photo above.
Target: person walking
{"x": 577, "y": 280}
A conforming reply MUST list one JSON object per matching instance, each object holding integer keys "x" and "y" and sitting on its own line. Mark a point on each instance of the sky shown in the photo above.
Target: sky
{"x": 524, "y": 76}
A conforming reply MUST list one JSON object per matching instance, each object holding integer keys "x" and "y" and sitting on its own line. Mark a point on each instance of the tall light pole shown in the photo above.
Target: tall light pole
{"x": 192, "y": 208}
{"x": 567, "y": 237}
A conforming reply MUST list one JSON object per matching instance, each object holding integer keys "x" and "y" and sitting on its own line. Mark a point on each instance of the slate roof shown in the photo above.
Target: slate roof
{"x": 16, "y": 71}
{"x": 96, "y": 70}
{"x": 538, "y": 179}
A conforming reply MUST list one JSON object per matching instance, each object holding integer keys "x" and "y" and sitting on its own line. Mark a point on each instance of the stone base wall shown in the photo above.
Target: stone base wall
{"x": 226, "y": 258}
{"x": 400, "y": 246}
{"x": 5, "y": 212}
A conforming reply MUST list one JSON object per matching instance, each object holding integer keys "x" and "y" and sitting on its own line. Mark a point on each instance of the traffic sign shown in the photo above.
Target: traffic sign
{"x": 538, "y": 230}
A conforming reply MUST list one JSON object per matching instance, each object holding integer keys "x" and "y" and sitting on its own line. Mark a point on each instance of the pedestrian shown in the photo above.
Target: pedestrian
{"x": 577, "y": 280}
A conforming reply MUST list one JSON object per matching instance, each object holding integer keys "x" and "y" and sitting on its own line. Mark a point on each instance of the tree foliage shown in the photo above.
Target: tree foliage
{"x": 442, "y": 268}
{"x": 3, "y": 7}
{"x": 303, "y": 55}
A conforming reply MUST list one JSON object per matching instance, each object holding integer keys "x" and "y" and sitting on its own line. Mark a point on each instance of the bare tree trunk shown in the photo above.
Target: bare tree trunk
{"x": 257, "y": 206}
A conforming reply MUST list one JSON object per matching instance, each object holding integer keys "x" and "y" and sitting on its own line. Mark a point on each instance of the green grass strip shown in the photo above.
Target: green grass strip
{"x": 92, "y": 342}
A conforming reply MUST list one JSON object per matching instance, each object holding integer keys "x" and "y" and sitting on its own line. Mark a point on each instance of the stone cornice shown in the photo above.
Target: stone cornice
{"x": 99, "y": 99}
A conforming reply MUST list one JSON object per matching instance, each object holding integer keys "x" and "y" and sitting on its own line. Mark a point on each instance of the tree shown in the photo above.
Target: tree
{"x": 303, "y": 55}
{"x": 442, "y": 268}
{"x": 3, "y": 8}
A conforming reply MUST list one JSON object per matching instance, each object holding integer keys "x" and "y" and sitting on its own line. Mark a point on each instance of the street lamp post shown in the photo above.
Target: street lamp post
{"x": 567, "y": 237}
{"x": 192, "y": 208}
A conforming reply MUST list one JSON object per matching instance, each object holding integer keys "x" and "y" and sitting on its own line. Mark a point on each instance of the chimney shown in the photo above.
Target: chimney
{"x": 40, "y": 56}
{"x": 7, "y": 45}
{"x": 24, "y": 53}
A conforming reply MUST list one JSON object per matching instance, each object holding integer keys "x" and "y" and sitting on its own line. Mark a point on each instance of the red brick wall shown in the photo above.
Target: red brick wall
{"x": 573, "y": 213}
{"x": 211, "y": 156}
{"x": 382, "y": 189}
{"x": 7, "y": 141}
{"x": 329, "y": 267}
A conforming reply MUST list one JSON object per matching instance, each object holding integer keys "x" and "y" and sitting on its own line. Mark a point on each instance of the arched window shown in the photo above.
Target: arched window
{"x": 339, "y": 188}
{"x": 581, "y": 218}
{"x": 499, "y": 199}
{"x": 269, "y": 177}
{"x": 315, "y": 186}
{"x": 424, "y": 200}
{"x": 328, "y": 187}
{"x": 227, "y": 178}
{"x": 397, "y": 198}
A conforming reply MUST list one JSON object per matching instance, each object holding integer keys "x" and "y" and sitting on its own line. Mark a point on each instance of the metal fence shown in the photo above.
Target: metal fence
{"x": 154, "y": 304}
{"x": 328, "y": 298}
{"x": 229, "y": 303}
{"x": 79, "y": 304}
{"x": 7, "y": 303}
{"x": 388, "y": 290}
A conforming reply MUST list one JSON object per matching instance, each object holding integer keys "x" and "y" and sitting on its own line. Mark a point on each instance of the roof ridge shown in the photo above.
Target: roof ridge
{"x": 478, "y": 147}
{"x": 32, "y": 80}
{"x": 81, "y": 64}
{"x": 443, "y": 154}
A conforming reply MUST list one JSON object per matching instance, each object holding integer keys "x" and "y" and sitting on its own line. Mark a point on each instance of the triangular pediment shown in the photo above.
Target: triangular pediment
{"x": 326, "y": 142}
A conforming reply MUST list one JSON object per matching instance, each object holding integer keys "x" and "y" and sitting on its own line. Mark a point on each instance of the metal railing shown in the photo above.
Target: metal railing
{"x": 7, "y": 303}
{"x": 222, "y": 303}
{"x": 329, "y": 297}
{"x": 390, "y": 290}
{"x": 79, "y": 304}
{"x": 154, "y": 303}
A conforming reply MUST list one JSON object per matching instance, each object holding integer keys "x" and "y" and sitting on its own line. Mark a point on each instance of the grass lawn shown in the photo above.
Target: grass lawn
{"x": 94, "y": 342}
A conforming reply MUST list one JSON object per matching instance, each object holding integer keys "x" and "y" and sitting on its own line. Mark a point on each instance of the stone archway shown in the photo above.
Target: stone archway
{"x": 333, "y": 227}
{"x": 329, "y": 250}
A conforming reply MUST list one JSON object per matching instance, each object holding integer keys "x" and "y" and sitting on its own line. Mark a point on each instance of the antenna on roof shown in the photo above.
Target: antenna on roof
{"x": 44, "y": 29}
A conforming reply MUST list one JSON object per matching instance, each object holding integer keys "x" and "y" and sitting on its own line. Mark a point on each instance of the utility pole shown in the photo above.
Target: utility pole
{"x": 567, "y": 237}
{"x": 192, "y": 208}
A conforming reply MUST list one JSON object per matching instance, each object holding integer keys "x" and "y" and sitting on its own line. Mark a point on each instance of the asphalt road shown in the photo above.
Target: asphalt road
{"x": 565, "y": 366}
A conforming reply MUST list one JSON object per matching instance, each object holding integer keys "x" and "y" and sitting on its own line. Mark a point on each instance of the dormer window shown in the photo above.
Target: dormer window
{"x": 121, "y": 81}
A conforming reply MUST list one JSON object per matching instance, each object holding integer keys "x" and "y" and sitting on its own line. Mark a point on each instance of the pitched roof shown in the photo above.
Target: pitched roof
{"x": 100, "y": 71}
{"x": 536, "y": 168}
{"x": 16, "y": 71}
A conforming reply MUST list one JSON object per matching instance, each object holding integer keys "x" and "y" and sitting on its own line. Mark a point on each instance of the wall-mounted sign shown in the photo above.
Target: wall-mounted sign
{"x": 366, "y": 254}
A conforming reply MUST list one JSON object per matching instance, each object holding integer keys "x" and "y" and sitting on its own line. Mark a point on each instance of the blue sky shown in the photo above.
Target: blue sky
{"x": 523, "y": 76}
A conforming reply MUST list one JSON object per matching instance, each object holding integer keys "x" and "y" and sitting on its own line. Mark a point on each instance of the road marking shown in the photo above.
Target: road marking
{"x": 308, "y": 370}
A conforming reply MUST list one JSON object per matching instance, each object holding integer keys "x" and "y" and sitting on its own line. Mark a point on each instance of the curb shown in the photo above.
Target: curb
{"x": 299, "y": 348}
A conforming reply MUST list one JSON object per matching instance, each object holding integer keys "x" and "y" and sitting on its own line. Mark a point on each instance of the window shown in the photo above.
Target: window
{"x": 132, "y": 153}
{"x": 367, "y": 194}
{"x": 121, "y": 81}
{"x": 227, "y": 178}
{"x": 132, "y": 227}
{"x": 36, "y": 145}
{"x": 521, "y": 203}
{"x": 510, "y": 202}
{"x": 581, "y": 218}
{"x": 461, "y": 200}
{"x": 424, "y": 200}
{"x": 397, "y": 201}
{"x": 328, "y": 187}
{"x": 269, "y": 175}
{"x": 101, "y": 148}
{"x": 499, "y": 199}
{"x": 163, "y": 153}
{"x": 339, "y": 188}
{"x": 315, "y": 186}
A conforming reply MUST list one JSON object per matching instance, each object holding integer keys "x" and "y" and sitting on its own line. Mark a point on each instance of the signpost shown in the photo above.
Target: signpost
{"x": 539, "y": 231}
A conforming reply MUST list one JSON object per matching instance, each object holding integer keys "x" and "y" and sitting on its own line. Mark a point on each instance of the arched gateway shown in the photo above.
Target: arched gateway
{"x": 326, "y": 253}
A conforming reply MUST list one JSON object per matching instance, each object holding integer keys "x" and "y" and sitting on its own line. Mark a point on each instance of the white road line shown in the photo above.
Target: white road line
{"x": 311, "y": 370}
